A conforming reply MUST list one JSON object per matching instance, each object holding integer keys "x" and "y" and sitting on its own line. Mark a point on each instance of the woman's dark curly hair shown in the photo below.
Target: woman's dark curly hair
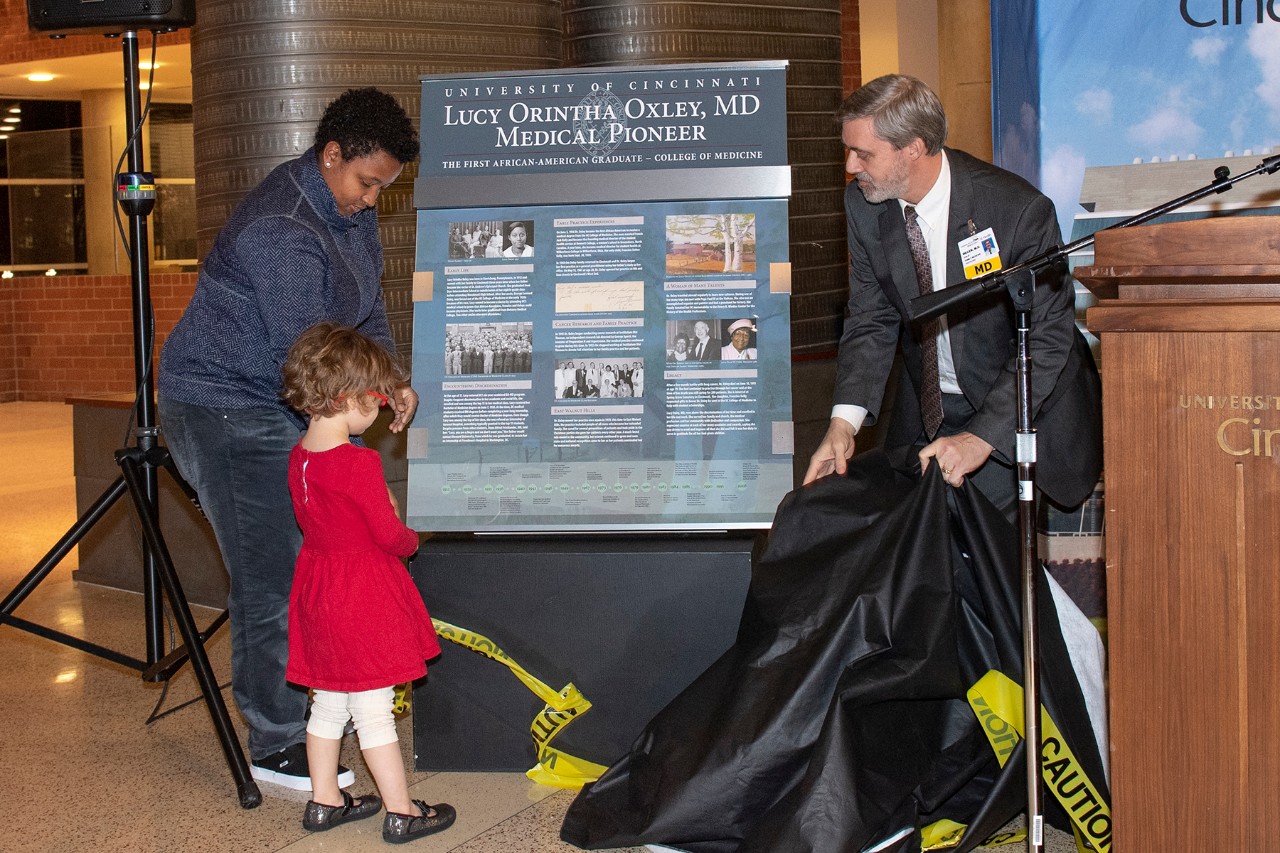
{"x": 365, "y": 121}
{"x": 329, "y": 364}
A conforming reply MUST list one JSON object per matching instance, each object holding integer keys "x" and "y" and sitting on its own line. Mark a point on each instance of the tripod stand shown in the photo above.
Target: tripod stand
{"x": 139, "y": 467}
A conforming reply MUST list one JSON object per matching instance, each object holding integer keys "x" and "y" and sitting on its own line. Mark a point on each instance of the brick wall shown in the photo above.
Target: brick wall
{"x": 72, "y": 335}
{"x": 8, "y": 349}
{"x": 850, "y": 46}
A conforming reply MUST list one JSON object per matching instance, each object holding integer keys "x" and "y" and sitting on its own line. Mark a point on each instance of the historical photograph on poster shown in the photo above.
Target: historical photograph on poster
{"x": 488, "y": 348}
{"x": 692, "y": 341}
{"x": 603, "y": 378}
{"x": 475, "y": 240}
{"x": 740, "y": 340}
{"x": 517, "y": 240}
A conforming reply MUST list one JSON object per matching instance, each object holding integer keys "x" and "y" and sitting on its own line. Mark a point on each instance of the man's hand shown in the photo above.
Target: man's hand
{"x": 957, "y": 455}
{"x": 833, "y": 453}
{"x": 404, "y": 400}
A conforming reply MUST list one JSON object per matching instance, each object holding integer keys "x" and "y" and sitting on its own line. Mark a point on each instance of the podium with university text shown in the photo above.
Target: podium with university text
{"x": 1189, "y": 320}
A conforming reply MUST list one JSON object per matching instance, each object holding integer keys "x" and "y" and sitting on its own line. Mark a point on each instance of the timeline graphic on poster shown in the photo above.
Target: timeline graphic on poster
{"x": 600, "y": 365}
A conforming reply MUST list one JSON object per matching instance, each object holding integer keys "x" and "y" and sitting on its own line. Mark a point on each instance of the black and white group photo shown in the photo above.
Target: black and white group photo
{"x": 599, "y": 378}
{"x": 488, "y": 348}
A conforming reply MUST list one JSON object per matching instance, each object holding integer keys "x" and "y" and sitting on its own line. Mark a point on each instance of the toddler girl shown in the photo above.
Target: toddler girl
{"x": 357, "y": 624}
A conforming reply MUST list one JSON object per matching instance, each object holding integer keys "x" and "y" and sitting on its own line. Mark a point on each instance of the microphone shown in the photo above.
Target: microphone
{"x": 930, "y": 305}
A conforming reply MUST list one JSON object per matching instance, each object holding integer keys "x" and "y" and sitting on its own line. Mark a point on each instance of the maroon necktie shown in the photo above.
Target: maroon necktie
{"x": 930, "y": 390}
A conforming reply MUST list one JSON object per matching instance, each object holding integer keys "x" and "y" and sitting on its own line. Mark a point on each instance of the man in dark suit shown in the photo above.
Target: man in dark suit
{"x": 704, "y": 347}
{"x": 912, "y": 209}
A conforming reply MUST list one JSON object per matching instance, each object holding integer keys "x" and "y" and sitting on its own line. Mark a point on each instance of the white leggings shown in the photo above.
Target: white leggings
{"x": 369, "y": 710}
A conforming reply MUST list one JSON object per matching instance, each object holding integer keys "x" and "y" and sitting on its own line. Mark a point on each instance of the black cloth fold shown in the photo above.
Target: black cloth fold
{"x": 838, "y": 719}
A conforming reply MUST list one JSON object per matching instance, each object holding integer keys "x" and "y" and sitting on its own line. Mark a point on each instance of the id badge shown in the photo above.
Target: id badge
{"x": 980, "y": 254}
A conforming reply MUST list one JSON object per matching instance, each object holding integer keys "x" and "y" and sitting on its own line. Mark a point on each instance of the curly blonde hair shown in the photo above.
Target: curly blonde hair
{"x": 329, "y": 364}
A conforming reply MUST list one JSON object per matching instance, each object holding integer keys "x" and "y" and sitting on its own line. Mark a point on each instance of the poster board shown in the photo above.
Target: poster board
{"x": 602, "y": 301}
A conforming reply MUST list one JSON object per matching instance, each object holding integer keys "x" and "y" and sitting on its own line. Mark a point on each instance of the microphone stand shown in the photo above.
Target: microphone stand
{"x": 1020, "y": 282}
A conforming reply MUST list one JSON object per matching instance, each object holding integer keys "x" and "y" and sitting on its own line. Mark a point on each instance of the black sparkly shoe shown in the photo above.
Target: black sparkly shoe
{"x": 398, "y": 828}
{"x": 318, "y": 817}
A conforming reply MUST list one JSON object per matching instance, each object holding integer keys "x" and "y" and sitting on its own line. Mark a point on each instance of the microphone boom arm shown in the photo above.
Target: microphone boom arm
{"x": 931, "y": 305}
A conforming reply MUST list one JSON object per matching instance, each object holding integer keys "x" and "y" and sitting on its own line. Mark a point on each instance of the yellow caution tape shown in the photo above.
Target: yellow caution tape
{"x": 401, "y": 701}
{"x": 997, "y": 700}
{"x": 944, "y": 834}
{"x": 554, "y": 767}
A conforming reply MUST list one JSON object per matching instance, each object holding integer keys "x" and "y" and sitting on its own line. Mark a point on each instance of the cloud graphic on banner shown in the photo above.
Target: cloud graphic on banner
{"x": 1061, "y": 179}
{"x": 1096, "y": 104}
{"x": 1170, "y": 127}
{"x": 1265, "y": 47}
{"x": 1208, "y": 50}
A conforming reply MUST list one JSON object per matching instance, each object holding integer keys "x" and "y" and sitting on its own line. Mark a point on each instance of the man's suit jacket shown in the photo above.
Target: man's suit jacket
{"x": 710, "y": 353}
{"x": 1066, "y": 391}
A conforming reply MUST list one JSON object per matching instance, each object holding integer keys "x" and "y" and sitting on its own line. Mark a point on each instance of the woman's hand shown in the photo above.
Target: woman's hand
{"x": 404, "y": 401}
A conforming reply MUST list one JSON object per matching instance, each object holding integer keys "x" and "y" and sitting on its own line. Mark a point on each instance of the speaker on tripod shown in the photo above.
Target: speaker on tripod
{"x": 141, "y": 462}
{"x": 60, "y": 17}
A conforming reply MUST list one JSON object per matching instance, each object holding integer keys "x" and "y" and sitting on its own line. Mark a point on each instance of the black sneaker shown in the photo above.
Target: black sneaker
{"x": 288, "y": 768}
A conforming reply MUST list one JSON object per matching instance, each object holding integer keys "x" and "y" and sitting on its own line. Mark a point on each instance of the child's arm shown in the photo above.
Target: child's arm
{"x": 368, "y": 488}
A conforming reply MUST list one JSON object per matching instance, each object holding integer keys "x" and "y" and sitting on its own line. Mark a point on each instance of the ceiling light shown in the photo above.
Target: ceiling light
{"x": 6, "y": 274}
{"x": 16, "y": 110}
{"x": 6, "y": 128}
{"x": 40, "y": 77}
{"x": 51, "y": 272}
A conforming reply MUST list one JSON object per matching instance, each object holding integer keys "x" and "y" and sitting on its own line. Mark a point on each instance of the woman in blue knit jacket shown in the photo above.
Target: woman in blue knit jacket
{"x": 302, "y": 247}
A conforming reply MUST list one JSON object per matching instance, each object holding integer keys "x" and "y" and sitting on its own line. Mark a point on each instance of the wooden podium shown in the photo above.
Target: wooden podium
{"x": 1189, "y": 321}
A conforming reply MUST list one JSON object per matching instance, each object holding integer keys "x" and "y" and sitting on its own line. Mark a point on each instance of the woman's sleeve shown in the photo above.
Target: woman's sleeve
{"x": 289, "y": 270}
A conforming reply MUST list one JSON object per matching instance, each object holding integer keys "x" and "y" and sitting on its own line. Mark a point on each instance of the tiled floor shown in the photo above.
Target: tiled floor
{"x": 82, "y": 769}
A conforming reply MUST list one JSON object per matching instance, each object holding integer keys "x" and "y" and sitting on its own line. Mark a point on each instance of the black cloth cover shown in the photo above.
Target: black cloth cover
{"x": 838, "y": 719}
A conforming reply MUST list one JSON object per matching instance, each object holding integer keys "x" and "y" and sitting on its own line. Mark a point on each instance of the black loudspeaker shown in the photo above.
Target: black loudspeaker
{"x": 109, "y": 16}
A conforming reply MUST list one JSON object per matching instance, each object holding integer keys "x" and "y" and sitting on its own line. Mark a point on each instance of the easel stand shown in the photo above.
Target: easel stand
{"x": 1020, "y": 282}
{"x": 139, "y": 467}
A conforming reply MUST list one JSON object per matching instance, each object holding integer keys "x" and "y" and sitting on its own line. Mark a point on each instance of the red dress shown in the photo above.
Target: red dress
{"x": 356, "y": 620}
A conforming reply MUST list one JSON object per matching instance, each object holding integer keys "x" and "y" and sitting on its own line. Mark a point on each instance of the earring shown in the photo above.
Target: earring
{"x": 328, "y": 165}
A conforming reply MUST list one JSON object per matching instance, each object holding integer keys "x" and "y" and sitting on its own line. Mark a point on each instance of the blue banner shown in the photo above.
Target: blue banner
{"x": 1138, "y": 104}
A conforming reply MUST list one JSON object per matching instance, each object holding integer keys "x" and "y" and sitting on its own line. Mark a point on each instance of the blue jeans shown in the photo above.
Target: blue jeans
{"x": 237, "y": 460}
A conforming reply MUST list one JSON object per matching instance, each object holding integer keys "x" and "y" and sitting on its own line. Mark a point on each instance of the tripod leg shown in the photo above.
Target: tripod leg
{"x": 246, "y": 787}
{"x": 64, "y": 545}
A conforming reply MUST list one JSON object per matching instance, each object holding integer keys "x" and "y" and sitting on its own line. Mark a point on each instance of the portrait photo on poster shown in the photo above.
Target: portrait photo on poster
{"x": 740, "y": 340}
{"x": 518, "y": 239}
